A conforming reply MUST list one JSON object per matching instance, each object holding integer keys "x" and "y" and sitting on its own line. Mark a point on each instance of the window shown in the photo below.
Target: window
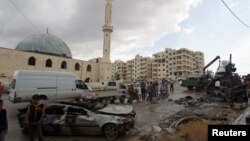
{"x": 81, "y": 85}
{"x": 32, "y": 61}
{"x": 111, "y": 83}
{"x": 63, "y": 65}
{"x": 76, "y": 111}
{"x": 77, "y": 66}
{"x": 13, "y": 84}
{"x": 48, "y": 63}
{"x": 89, "y": 68}
{"x": 55, "y": 110}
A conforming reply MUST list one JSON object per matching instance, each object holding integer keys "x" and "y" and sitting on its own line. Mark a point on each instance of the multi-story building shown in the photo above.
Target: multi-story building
{"x": 139, "y": 68}
{"x": 171, "y": 64}
{"x": 176, "y": 64}
{"x": 119, "y": 70}
{"x": 129, "y": 71}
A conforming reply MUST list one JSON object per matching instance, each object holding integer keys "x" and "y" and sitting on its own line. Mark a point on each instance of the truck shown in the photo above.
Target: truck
{"x": 52, "y": 85}
{"x": 227, "y": 83}
{"x": 199, "y": 79}
{"x": 192, "y": 81}
{"x": 109, "y": 91}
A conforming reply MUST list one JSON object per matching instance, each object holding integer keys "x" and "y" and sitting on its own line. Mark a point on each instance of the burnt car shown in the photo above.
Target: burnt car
{"x": 66, "y": 119}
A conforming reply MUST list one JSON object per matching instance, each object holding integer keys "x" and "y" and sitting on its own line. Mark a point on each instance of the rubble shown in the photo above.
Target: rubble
{"x": 172, "y": 128}
{"x": 156, "y": 129}
{"x": 149, "y": 138}
{"x": 187, "y": 101}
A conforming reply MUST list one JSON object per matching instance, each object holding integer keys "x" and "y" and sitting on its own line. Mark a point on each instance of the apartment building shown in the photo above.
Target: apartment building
{"x": 139, "y": 68}
{"x": 119, "y": 68}
{"x": 176, "y": 64}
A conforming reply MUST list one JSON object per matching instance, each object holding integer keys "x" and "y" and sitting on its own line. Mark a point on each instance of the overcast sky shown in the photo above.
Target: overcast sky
{"x": 140, "y": 26}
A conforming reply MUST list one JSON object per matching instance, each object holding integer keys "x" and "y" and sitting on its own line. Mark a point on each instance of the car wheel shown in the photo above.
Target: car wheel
{"x": 111, "y": 131}
{"x": 130, "y": 100}
{"x": 122, "y": 99}
{"x": 112, "y": 101}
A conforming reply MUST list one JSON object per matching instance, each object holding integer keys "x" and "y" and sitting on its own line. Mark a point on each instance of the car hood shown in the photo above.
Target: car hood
{"x": 117, "y": 109}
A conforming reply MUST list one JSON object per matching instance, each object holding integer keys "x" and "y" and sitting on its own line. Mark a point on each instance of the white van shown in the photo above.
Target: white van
{"x": 48, "y": 84}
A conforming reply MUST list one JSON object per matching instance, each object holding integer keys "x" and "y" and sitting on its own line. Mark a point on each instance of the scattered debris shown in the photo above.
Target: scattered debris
{"x": 156, "y": 129}
{"x": 149, "y": 138}
{"x": 192, "y": 130}
{"x": 187, "y": 101}
{"x": 174, "y": 125}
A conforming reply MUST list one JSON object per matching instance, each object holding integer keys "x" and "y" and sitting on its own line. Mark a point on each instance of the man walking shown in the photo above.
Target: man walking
{"x": 3, "y": 122}
{"x": 1, "y": 90}
{"x": 34, "y": 116}
{"x": 143, "y": 90}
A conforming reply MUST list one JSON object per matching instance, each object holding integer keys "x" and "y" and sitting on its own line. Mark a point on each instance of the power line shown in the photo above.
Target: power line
{"x": 20, "y": 11}
{"x": 235, "y": 14}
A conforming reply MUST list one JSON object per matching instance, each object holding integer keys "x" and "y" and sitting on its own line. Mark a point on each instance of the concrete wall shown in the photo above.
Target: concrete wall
{"x": 11, "y": 60}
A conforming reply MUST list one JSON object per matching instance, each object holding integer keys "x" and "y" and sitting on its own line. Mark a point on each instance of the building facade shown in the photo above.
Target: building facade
{"x": 139, "y": 68}
{"x": 171, "y": 64}
{"x": 11, "y": 60}
{"x": 176, "y": 64}
{"x": 119, "y": 70}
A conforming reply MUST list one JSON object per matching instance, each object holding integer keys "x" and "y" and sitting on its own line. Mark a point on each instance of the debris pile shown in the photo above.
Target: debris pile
{"x": 190, "y": 101}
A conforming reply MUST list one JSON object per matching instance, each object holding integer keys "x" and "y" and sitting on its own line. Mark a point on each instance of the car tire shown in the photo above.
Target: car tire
{"x": 122, "y": 99}
{"x": 111, "y": 131}
{"x": 112, "y": 101}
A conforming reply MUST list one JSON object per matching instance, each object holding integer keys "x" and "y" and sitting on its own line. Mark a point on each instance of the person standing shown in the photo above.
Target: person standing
{"x": 172, "y": 87}
{"x": 150, "y": 90}
{"x": 3, "y": 122}
{"x": 1, "y": 90}
{"x": 143, "y": 90}
{"x": 34, "y": 117}
{"x": 164, "y": 88}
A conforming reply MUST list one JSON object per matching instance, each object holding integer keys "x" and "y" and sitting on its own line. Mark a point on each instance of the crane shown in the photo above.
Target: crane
{"x": 209, "y": 64}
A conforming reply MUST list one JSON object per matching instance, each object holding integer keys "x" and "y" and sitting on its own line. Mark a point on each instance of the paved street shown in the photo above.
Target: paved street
{"x": 147, "y": 115}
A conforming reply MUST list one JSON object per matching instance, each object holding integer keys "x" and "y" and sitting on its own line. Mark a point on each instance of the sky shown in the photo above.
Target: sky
{"x": 140, "y": 27}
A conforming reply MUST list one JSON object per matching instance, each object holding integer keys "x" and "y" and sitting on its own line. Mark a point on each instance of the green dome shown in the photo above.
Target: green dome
{"x": 45, "y": 43}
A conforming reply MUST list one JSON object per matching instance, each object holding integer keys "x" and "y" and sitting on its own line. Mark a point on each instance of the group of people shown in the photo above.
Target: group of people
{"x": 152, "y": 89}
{"x": 34, "y": 116}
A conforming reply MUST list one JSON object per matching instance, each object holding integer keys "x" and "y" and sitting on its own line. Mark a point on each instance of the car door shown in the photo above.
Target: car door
{"x": 80, "y": 123}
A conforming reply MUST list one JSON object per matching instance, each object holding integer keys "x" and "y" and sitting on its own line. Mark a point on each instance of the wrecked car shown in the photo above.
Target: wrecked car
{"x": 65, "y": 119}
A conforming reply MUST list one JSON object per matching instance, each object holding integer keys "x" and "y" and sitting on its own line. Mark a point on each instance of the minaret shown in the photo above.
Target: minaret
{"x": 106, "y": 66}
{"x": 107, "y": 30}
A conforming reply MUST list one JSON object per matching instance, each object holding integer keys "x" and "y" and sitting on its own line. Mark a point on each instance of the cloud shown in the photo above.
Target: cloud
{"x": 137, "y": 24}
{"x": 188, "y": 30}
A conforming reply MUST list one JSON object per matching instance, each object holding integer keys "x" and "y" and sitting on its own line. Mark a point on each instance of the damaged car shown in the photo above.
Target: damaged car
{"x": 66, "y": 119}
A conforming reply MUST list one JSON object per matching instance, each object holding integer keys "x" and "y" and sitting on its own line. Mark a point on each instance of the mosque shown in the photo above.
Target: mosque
{"x": 47, "y": 52}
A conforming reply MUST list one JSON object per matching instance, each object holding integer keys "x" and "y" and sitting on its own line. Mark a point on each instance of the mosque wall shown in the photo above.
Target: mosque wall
{"x": 11, "y": 60}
